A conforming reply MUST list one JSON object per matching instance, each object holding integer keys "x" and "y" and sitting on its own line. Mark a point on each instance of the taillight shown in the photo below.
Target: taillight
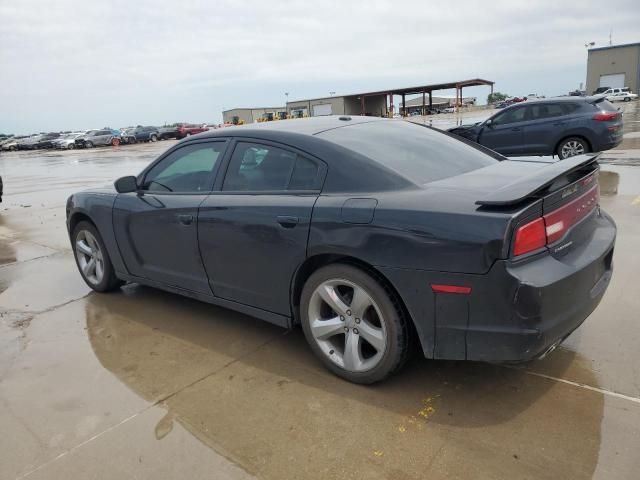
{"x": 606, "y": 116}
{"x": 530, "y": 237}
{"x": 560, "y": 220}
{"x": 554, "y": 225}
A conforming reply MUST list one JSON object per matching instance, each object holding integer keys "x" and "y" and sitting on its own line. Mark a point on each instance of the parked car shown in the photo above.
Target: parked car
{"x": 165, "y": 133}
{"x": 188, "y": 130}
{"x": 614, "y": 91}
{"x": 563, "y": 126}
{"x": 96, "y": 138}
{"x": 141, "y": 134}
{"x": 621, "y": 96}
{"x": 67, "y": 141}
{"x": 12, "y": 144}
{"x": 369, "y": 233}
{"x": 449, "y": 110}
{"x": 45, "y": 141}
{"x": 28, "y": 143}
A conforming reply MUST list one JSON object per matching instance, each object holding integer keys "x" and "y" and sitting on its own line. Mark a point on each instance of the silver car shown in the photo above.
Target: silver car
{"x": 95, "y": 138}
{"x": 67, "y": 141}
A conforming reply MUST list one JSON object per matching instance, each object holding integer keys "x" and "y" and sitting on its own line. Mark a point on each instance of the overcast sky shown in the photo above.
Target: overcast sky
{"x": 68, "y": 64}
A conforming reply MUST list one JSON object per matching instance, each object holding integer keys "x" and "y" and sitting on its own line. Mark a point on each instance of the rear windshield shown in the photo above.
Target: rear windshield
{"x": 420, "y": 154}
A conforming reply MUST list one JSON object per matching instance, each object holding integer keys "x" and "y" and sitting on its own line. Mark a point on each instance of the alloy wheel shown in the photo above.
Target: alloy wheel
{"x": 90, "y": 257}
{"x": 347, "y": 325}
{"x": 572, "y": 148}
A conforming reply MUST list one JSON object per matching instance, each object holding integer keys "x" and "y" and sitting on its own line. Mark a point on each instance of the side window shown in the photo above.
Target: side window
{"x": 188, "y": 169}
{"x": 511, "y": 116}
{"x": 546, "y": 110}
{"x": 255, "y": 167}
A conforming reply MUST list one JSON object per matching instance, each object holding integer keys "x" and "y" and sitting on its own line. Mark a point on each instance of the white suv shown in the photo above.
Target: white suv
{"x": 620, "y": 95}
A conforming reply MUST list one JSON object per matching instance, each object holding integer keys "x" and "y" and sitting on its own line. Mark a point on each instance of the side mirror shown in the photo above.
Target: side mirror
{"x": 126, "y": 184}
{"x": 488, "y": 123}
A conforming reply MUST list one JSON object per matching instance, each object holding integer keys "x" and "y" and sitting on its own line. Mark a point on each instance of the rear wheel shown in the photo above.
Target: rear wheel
{"x": 627, "y": 99}
{"x": 153, "y": 138}
{"x": 572, "y": 146}
{"x": 93, "y": 259}
{"x": 353, "y": 324}
{"x": 71, "y": 146}
{"x": 88, "y": 144}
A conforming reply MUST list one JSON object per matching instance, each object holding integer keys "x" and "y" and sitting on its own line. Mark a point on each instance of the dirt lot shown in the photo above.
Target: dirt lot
{"x": 145, "y": 384}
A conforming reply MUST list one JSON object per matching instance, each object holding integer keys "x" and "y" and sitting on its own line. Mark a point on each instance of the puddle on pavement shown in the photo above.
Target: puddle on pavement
{"x": 278, "y": 414}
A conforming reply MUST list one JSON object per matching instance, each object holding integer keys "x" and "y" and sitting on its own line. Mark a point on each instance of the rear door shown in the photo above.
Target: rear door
{"x": 253, "y": 231}
{"x": 504, "y": 133}
{"x": 103, "y": 137}
{"x": 157, "y": 227}
{"x": 545, "y": 126}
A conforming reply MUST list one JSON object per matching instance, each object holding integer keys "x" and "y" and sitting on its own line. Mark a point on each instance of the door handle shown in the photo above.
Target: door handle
{"x": 185, "y": 219}
{"x": 286, "y": 221}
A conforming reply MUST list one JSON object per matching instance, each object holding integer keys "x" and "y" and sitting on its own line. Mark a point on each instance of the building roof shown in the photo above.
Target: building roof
{"x": 410, "y": 90}
{"x": 253, "y": 108}
{"x": 608, "y": 47}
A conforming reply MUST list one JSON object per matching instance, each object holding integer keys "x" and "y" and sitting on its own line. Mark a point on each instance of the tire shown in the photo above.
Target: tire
{"x": 153, "y": 138}
{"x": 87, "y": 234}
{"x": 71, "y": 146}
{"x": 88, "y": 144}
{"x": 627, "y": 99}
{"x": 572, "y": 146}
{"x": 382, "y": 319}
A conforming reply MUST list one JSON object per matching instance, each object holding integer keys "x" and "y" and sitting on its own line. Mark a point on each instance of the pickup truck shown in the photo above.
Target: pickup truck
{"x": 187, "y": 130}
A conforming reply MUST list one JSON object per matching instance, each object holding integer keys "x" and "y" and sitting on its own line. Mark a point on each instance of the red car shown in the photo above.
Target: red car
{"x": 187, "y": 130}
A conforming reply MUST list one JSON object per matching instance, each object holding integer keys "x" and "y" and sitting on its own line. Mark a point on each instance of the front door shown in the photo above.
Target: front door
{"x": 157, "y": 227}
{"x": 504, "y": 133}
{"x": 253, "y": 232}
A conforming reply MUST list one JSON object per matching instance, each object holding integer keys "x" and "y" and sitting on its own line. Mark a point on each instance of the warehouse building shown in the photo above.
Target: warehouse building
{"x": 614, "y": 66}
{"x": 374, "y": 105}
{"x": 378, "y": 103}
{"x": 251, "y": 115}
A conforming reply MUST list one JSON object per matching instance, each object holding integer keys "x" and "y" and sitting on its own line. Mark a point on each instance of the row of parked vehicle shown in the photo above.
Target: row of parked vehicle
{"x": 100, "y": 137}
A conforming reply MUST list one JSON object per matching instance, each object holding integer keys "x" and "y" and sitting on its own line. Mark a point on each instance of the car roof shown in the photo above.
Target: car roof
{"x": 304, "y": 126}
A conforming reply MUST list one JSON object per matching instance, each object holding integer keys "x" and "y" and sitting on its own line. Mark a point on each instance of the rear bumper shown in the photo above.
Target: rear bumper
{"x": 516, "y": 311}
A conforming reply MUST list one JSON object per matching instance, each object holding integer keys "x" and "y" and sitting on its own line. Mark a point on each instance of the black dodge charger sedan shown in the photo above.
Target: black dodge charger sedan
{"x": 369, "y": 233}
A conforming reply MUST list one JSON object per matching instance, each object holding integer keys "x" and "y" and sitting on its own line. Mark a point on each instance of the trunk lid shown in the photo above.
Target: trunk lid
{"x": 555, "y": 199}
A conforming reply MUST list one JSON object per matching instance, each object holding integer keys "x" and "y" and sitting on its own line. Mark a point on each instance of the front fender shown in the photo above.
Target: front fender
{"x": 97, "y": 207}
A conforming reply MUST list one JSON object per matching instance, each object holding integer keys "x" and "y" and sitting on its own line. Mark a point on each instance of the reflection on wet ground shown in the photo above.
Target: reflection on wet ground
{"x": 145, "y": 384}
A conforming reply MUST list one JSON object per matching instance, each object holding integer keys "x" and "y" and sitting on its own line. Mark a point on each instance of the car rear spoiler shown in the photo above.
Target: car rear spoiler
{"x": 529, "y": 185}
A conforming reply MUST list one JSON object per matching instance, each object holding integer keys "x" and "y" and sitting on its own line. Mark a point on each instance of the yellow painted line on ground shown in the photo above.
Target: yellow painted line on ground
{"x": 636, "y": 201}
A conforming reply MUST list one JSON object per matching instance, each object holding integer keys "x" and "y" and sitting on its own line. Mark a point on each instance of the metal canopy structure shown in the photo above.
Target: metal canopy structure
{"x": 427, "y": 90}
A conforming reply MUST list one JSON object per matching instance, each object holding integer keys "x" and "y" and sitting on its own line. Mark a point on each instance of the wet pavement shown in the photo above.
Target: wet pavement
{"x": 146, "y": 384}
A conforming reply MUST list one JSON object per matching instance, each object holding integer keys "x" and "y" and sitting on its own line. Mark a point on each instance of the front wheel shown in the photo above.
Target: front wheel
{"x": 153, "y": 138}
{"x": 71, "y": 146}
{"x": 93, "y": 259}
{"x": 353, "y": 324}
{"x": 627, "y": 99}
{"x": 88, "y": 144}
{"x": 571, "y": 147}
